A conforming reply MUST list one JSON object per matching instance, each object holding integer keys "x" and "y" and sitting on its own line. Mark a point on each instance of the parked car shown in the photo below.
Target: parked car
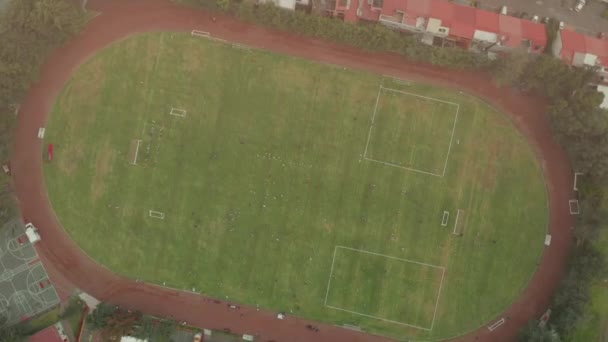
{"x": 579, "y": 5}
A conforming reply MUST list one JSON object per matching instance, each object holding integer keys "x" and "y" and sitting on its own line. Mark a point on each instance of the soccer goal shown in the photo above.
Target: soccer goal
{"x": 197, "y": 33}
{"x": 157, "y": 214}
{"x": 177, "y": 112}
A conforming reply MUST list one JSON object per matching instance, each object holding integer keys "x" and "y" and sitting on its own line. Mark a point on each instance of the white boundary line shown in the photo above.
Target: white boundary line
{"x": 437, "y": 301}
{"x": 576, "y": 174}
{"x": 241, "y": 46}
{"x": 157, "y": 214}
{"x": 136, "y": 152}
{"x": 388, "y": 257}
{"x": 421, "y": 96}
{"x": 398, "y": 80}
{"x": 371, "y": 126}
{"x": 369, "y": 133}
{"x": 445, "y": 218}
{"x": 456, "y": 222}
{"x": 574, "y": 209}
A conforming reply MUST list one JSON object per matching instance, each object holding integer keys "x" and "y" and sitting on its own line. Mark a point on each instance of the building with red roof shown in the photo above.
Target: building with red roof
{"x": 466, "y": 26}
{"x": 578, "y": 49}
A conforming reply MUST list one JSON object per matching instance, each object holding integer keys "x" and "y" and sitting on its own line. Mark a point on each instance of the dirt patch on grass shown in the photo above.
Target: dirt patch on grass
{"x": 69, "y": 159}
{"x": 103, "y": 166}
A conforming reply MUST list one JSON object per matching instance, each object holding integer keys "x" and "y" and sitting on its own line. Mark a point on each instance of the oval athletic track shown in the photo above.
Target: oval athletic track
{"x": 70, "y": 268}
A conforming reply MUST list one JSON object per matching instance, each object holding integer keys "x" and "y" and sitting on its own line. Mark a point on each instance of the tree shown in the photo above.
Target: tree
{"x": 99, "y": 317}
{"x": 509, "y": 69}
{"x": 121, "y": 323}
{"x": 12, "y": 333}
{"x": 534, "y": 333}
{"x": 166, "y": 328}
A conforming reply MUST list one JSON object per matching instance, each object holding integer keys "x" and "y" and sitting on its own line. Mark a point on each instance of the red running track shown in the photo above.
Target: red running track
{"x": 69, "y": 267}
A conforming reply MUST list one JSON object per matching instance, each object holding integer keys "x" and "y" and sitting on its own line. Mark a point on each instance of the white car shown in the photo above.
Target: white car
{"x": 579, "y": 5}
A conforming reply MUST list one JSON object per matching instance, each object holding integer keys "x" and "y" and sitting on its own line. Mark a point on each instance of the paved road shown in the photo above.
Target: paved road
{"x": 589, "y": 20}
{"x": 69, "y": 267}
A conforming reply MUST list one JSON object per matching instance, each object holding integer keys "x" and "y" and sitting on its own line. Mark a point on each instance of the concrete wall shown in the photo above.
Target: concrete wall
{"x": 556, "y": 49}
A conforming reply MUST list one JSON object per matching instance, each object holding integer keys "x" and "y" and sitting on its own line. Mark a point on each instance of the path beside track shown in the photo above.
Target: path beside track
{"x": 69, "y": 267}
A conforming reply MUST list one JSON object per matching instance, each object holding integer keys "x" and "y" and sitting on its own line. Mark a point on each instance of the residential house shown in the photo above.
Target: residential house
{"x": 440, "y": 22}
{"x": 582, "y": 50}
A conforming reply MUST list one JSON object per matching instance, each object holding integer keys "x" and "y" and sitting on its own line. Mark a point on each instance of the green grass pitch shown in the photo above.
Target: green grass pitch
{"x": 259, "y": 168}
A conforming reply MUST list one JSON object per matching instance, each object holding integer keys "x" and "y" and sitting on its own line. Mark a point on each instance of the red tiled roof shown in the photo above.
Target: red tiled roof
{"x": 421, "y": 8}
{"x": 49, "y": 334}
{"x": 442, "y": 10}
{"x": 509, "y": 29}
{"x": 486, "y": 21}
{"x": 596, "y": 46}
{"x": 390, "y": 6}
{"x": 535, "y": 32}
{"x": 464, "y": 15}
{"x": 571, "y": 42}
{"x": 461, "y": 30}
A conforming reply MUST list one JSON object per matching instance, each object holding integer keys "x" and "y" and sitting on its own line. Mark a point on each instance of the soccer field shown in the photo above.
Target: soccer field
{"x": 347, "y": 197}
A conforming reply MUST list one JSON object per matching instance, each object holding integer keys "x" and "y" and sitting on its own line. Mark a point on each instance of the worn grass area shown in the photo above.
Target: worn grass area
{"x": 264, "y": 176}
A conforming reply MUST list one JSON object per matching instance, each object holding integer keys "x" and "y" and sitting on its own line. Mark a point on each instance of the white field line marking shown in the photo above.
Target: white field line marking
{"x": 371, "y": 126}
{"x": 157, "y": 214}
{"x": 574, "y": 209}
{"x": 369, "y": 134}
{"x": 136, "y": 152}
{"x": 379, "y": 318}
{"x": 445, "y": 166}
{"x": 437, "y": 300}
{"x": 496, "y": 324}
{"x": 330, "y": 274}
{"x": 444, "y": 220}
{"x": 456, "y": 223}
{"x": 421, "y": 96}
{"x": 200, "y": 33}
{"x": 403, "y": 167}
{"x": 241, "y": 46}
{"x": 576, "y": 174}
{"x": 391, "y": 257}
{"x": 177, "y": 112}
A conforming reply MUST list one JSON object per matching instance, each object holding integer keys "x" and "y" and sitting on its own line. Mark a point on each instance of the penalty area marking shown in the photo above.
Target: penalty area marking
{"x": 456, "y": 222}
{"x": 576, "y": 174}
{"x": 177, "y": 112}
{"x": 388, "y": 257}
{"x": 136, "y": 152}
{"x": 157, "y": 215}
{"x": 496, "y": 324}
{"x": 574, "y": 209}
{"x": 371, "y": 127}
{"x": 444, "y": 220}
